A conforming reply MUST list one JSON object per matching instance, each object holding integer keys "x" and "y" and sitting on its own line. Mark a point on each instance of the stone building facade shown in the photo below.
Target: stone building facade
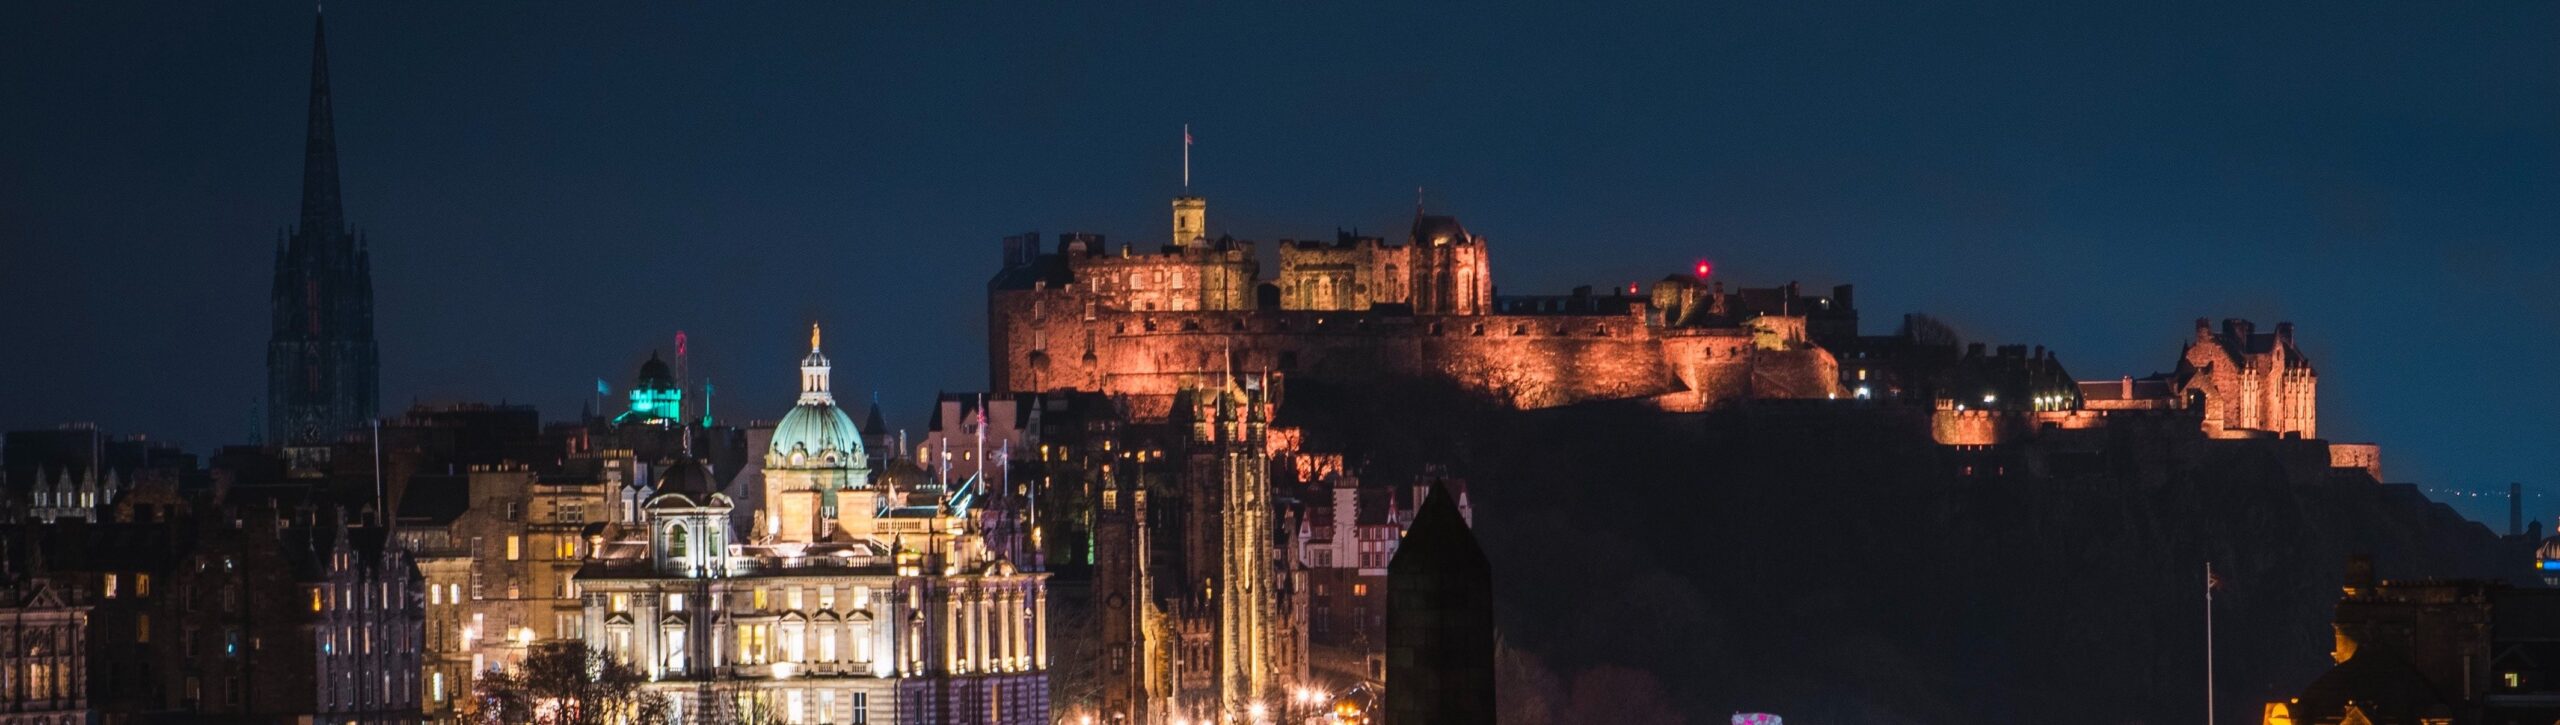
{"x": 851, "y": 599}
{"x": 244, "y": 611}
{"x": 44, "y": 654}
{"x": 499, "y": 571}
{"x": 1192, "y": 600}
{"x": 2245, "y": 382}
{"x": 1147, "y": 325}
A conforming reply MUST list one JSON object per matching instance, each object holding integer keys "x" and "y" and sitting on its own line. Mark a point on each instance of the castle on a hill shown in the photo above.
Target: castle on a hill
{"x": 1144, "y": 325}
{"x": 1141, "y": 326}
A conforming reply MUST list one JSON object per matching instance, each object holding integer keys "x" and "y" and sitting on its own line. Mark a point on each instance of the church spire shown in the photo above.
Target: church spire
{"x": 320, "y": 209}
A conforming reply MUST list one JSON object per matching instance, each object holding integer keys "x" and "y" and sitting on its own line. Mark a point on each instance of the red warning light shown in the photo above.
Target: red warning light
{"x": 1704, "y": 268}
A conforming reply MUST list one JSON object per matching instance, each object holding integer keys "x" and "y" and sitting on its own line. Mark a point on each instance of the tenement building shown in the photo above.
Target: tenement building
{"x": 1149, "y": 323}
{"x": 238, "y": 612}
{"x": 498, "y": 555}
{"x": 851, "y": 598}
{"x": 44, "y": 653}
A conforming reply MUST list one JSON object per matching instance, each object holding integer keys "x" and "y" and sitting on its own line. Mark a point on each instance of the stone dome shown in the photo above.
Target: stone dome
{"x": 654, "y": 375}
{"x": 1438, "y": 230}
{"x": 688, "y": 477}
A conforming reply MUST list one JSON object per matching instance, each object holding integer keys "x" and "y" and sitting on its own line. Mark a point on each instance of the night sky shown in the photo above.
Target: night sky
{"x": 554, "y": 189}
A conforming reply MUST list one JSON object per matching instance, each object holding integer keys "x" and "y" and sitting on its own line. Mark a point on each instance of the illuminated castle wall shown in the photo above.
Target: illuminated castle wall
{"x": 1145, "y": 326}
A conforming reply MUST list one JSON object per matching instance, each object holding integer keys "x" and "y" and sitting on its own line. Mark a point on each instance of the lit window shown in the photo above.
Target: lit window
{"x": 1359, "y": 590}
{"x": 759, "y": 599}
{"x": 142, "y": 585}
{"x": 2514, "y": 680}
{"x": 675, "y": 602}
{"x": 435, "y": 595}
{"x": 142, "y": 628}
{"x": 109, "y": 587}
{"x": 515, "y": 548}
{"x": 622, "y": 602}
{"x": 315, "y": 599}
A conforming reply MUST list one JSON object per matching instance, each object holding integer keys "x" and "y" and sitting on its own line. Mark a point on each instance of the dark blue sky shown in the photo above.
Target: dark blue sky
{"x": 552, "y": 189}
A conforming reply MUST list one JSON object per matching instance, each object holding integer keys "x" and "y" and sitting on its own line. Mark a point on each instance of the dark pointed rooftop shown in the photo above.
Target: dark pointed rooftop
{"x": 321, "y": 211}
{"x": 874, "y": 424}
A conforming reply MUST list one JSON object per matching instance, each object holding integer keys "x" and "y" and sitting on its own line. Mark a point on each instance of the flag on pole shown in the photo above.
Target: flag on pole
{"x": 2212, "y": 581}
{"x": 602, "y": 388}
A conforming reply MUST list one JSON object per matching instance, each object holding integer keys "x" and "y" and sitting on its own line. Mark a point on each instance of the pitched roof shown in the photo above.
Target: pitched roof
{"x": 2376, "y": 680}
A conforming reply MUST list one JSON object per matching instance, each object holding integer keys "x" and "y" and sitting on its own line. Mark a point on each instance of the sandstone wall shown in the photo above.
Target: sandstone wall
{"x": 1052, "y": 339}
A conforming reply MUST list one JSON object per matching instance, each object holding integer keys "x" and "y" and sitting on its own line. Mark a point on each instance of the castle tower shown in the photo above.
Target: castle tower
{"x": 323, "y": 374}
{"x": 816, "y": 455}
{"x": 1190, "y": 221}
{"x": 1449, "y": 275}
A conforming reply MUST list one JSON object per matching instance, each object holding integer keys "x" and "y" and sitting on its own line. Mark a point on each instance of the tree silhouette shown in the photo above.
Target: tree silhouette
{"x": 564, "y": 683}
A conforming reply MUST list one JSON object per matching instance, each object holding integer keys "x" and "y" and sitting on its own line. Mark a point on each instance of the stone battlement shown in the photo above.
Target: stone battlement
{"x": 1361, "y": 310}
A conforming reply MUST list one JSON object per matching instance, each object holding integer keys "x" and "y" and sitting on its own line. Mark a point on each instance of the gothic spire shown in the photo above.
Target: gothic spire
{"x": 320, "y": 209}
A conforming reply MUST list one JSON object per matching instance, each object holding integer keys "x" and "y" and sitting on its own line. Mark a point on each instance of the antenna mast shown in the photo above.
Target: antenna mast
{"x": 684, "y": 380}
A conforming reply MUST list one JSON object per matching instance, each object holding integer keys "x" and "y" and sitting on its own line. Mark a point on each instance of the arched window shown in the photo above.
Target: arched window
{"x": 676, "y": 542}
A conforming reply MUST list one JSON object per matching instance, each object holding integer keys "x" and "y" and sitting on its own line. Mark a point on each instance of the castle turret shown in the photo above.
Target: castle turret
{"x": 1190, "y": 221}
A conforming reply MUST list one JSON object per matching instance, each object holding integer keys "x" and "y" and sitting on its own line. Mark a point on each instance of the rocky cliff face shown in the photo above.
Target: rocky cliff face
{"x": 1833, "y": 564}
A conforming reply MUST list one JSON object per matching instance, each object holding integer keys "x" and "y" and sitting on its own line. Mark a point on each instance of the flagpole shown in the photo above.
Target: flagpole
{"x": 2208, "y": 643}
{"x": 1186, "y": 157}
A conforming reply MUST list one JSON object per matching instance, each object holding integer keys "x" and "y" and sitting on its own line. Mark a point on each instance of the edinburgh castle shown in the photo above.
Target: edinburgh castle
{"x": 1146, "y": 324}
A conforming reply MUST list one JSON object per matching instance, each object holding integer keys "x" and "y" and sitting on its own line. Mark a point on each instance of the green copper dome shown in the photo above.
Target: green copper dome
{"x": 816, "y": 434}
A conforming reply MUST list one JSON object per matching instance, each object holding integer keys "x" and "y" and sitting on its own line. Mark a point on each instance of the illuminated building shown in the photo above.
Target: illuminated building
{"x": 46, "y": 662}
{"x": 323, "y": 374}
{"x": 498, "y": 551}
{"x": 1147, "y": 324}
{"x": 656, "y": 399}
{"x": 77, "y": 472}
{"x": 2238, "y": 382}
{"x": 849, "y": 599}
{"x": 1231, "y": 547}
